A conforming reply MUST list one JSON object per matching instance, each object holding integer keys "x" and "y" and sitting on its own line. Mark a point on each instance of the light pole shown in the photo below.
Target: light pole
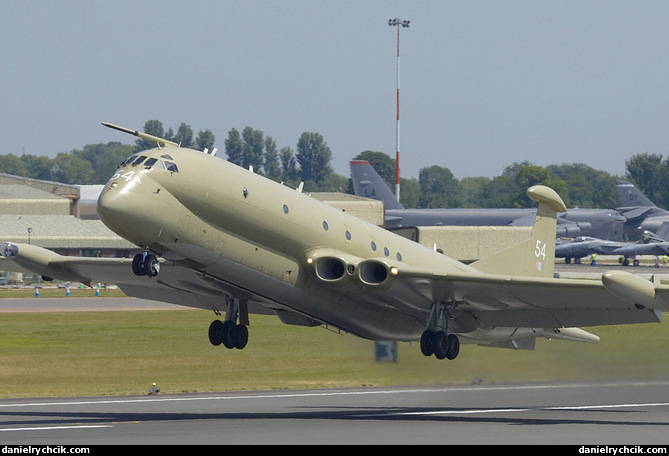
{"x": 396, "y": 22}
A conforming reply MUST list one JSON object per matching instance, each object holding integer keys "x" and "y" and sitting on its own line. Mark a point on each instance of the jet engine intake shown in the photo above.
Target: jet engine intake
{"x": 376, "y": 273}
{"x": 333, "y": 268}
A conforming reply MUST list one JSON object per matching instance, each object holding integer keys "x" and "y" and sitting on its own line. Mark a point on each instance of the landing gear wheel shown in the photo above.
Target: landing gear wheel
{"x": 241, "y": 336}
{"x": 427, "y": 343}
{"x": 453, "y": 346}
{"x": 137, "y": 265}
{"x": 151, "y": 265}
{"x": 215, "y": 332}
{"x": 228, "y": 334}
{"x": 145, "y": 265}
{"x": 440, "y": 344}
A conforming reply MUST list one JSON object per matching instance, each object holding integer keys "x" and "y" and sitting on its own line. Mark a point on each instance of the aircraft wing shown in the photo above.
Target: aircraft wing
{"x": 636, "y": 212}
{"x": 490, "y": 300}
{"x": 176, "y": 284}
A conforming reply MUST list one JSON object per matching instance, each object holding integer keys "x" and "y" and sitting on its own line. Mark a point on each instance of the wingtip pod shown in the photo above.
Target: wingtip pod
{"x": 629, "y": 287}
{"x": 543, "y": 194}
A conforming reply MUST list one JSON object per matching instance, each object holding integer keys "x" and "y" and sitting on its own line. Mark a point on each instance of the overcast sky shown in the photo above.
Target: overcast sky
{"x": 483, "y": 83}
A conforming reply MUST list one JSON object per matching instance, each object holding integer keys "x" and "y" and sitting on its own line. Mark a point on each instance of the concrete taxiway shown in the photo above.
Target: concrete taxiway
{"x": 624, "y": 413}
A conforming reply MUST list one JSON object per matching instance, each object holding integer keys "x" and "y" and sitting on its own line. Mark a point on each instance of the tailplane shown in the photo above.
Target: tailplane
{"x": 534, "y": 257}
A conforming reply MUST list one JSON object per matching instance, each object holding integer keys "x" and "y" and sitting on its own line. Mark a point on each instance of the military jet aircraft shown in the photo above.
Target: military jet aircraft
{"x": 219, "y": 237}
{"x": 600, "y": 223}
{"x": 584, "y": 246}
{"x": 649, "y": 244}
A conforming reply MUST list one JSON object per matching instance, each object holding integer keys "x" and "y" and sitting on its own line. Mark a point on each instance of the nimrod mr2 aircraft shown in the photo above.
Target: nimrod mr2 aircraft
{"x": 216, "y": 236}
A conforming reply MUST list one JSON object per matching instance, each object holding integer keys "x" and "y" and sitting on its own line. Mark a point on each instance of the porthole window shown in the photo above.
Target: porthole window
{"x": 325, "y": 225}
{"x": 399, "y": 256}
{"x": 348, "y": 235}
{"x": 373, "y": 246}
{"x": 386, "y": 252}
{"x": 285, "y": 209}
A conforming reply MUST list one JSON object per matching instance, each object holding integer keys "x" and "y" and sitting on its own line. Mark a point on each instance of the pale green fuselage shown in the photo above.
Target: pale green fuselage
{"x": 258, "y": 234}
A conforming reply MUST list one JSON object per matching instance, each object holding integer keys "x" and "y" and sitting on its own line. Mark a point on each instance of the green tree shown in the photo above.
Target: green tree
{"x": 205, "y": 140}
{"x": 11, "y": 164}
{"x": 500, "y": 192}
{"x": 184, "y": 136}
{"x": 438, "y": 187}
{"x": 271, "y": 165}
{"x": 40, "y": 167}
{"x": 333, "y": 182}
{"x": 233, "y": 147}
{"x": 536, "y": 175}
{"x": 104, "y": 158}
{"x": 586, "y": 186}
{"x": 313, "y": 155}
{"x": 288, "y": 165}
{"x": 70, "y": 169}
{"x": 472, "y": 190}
{"x": 410, "y": 192}
{"x": 252, "y": 148}
{"x": 649, "y": 173}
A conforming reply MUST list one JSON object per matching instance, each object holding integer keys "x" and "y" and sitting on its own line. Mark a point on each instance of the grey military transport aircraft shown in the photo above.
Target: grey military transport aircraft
{"x": 601, "y": 223}
{"x": 219, "y": 237}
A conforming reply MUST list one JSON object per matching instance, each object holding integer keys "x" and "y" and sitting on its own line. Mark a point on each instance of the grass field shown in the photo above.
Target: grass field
{"x": 105, "y": 353}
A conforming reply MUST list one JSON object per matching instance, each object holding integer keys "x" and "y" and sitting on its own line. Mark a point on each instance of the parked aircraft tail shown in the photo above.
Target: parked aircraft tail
{"x": 534, "y": 257}
{"x": 630, "y": 196}
{"x": 368, "y": 183}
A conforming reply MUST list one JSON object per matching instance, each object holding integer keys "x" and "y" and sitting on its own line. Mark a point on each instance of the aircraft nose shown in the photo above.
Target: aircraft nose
{"x": 114, "y": 211}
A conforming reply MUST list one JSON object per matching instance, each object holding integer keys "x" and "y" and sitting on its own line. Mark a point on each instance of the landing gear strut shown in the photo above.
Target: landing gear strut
{"x": 435, "y": 340}
{"x": 228, "y": 332}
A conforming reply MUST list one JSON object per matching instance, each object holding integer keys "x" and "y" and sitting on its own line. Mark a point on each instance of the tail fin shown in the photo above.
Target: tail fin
{"x": 630, "y": 196}
{"x": 368, "y": 183}
{"x": 534, "y": 257}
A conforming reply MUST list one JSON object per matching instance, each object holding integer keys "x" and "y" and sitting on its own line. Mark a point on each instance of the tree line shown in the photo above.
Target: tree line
{"x": 578, "y": 184}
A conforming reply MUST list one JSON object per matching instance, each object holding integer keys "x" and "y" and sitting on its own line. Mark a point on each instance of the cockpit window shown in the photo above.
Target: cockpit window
{"x": 167, "y": 156}
{"x": 128, "y": 160}
{"x": 154, "y": 163}
{"x": 139, "y": 160}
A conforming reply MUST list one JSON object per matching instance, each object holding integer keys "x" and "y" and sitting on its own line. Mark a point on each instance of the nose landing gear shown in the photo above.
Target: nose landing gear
{"x": 145, "y": 264}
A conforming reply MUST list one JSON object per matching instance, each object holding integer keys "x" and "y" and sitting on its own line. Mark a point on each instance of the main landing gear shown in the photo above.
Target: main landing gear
{"x": 439, "y": 344}
{"x": 145, "y": 264}
{"x": 435, "y": 340}
{"x": 228, "y": 332}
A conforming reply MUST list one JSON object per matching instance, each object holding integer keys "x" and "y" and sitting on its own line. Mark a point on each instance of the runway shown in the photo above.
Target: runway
{"x": 634, "y": 413}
